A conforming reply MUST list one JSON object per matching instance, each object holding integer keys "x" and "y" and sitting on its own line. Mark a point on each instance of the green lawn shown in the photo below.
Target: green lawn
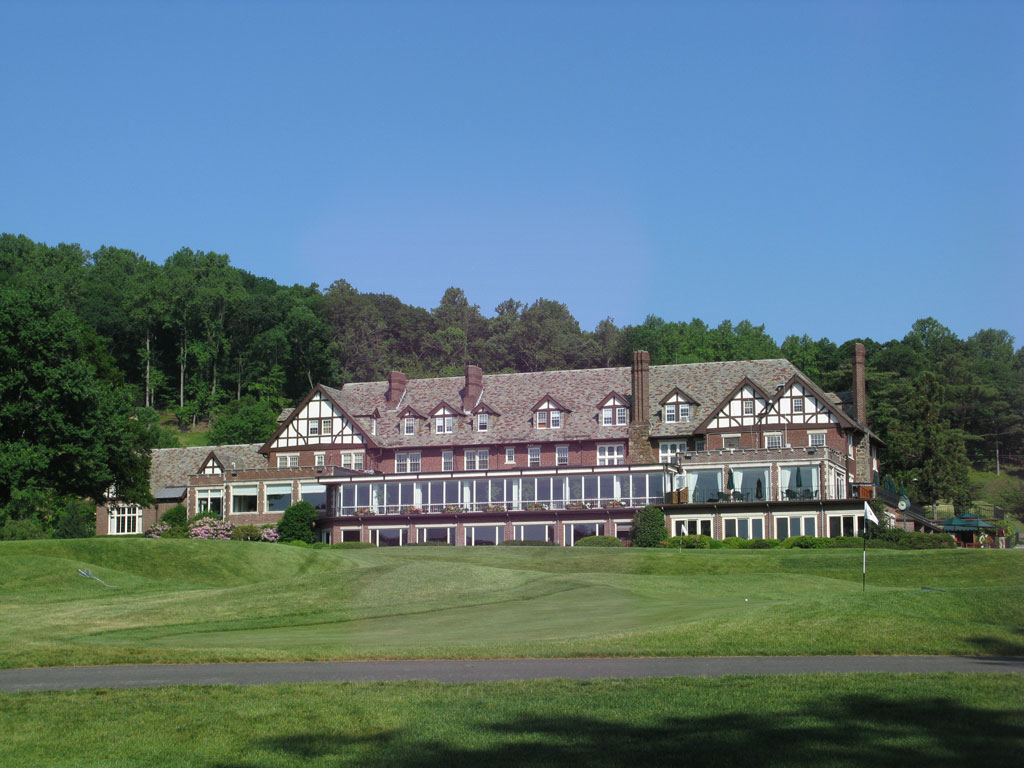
{"x": 807, "y": 721}
{"x": 189, "y": 601}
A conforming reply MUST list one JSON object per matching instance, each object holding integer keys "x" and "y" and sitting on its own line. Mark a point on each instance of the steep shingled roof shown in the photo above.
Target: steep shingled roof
{"x": 581, "y": 391}
{"x": 171, "y": 466}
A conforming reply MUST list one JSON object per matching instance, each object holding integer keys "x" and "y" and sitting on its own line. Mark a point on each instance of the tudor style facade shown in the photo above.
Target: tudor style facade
{"x": 742, "y": 448}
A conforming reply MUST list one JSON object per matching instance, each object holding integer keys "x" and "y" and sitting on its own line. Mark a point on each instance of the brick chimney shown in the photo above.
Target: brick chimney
{"x": 474, "y": 386}
{"x": 860, "y": 393}
{"x": 640, "y": 450}
{"x": 641, "y": 386}
{"x": 396, "y": 388}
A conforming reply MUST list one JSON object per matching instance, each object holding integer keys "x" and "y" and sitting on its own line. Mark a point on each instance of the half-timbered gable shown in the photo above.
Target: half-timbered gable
{"x": 444, "y": 417}
{"x": 318, "y": 421}
{"x": 211, "y": 466}
{"x": 677, "y": 407}
{"x": 613, "y": 410}
{"x": 743, "y": 408}
{"x": 548, "y": 413}
{"x": 799, "y": 404}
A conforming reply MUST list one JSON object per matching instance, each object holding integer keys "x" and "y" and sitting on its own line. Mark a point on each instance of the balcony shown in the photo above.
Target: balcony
{"x": 581, "y": 505}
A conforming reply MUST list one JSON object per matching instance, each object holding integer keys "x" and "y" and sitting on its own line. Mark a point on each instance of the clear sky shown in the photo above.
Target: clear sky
{"x": 835, "y": 169}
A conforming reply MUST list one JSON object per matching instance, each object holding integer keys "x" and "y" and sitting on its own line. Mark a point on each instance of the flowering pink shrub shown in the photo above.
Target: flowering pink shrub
{"x": 209, "y": 528}
{"x": 270, "y": 534}
{"x": 157, "y": 530}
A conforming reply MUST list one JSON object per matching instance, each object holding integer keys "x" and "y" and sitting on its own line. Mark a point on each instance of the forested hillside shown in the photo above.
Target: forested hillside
{"x": 92, "y": 344}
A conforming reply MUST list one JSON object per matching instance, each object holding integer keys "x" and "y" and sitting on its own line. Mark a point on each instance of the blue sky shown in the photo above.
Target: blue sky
{"x": 835, "y": 169}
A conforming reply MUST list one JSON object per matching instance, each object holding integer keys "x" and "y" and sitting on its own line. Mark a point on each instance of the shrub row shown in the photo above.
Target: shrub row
{"x": 599, "y": 541}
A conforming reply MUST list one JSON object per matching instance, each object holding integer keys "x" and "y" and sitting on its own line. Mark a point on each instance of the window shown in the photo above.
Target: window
{"x": 611, "y": 455}
{"x": 698, "y": 444}
{"x": 443, "y": 425}
{"x": 409, "y": 425}
{"x": 510, "y": 455}
{"x": 731, "y": 441}
{"x": 435, "y": 535}
{"x": 670, "y": 413}
{"x": 684, "y": 411}
{"x": 327, "y": 427}
{"x": 748, "y": 407}
{"x": 373, "y": 426}
{"x": 534, "y": 532}
{"x": 125, "y": 520}
{"x": 447, "y": 461}
{"x": 556, "y": 419}
{"x": 478, "y": 459}
{"x": 407, "y": 462}
{"x": 542, "y": 419}
{"x": 244, "y": 499}
{"x": 209, "y": 501}
{"x": 287, "y": 460}
{"x": 562, "y": 455}
{"x": 352, "y": 461}
{"x": 576, "y": 531}
{"x": 318, "y": 460}
{"x": 481, "y": 422}
{"x": 773, "y": 440}
{"x": 817, "y": 439}
{"x": 744, "y": 527}
{"x": 667, "y": 452}
{"x": 798, "y": 405}
{"x": 279, "y": 496}
{"x": 314, "y": 427}
{"x": 534, "y": 455}
{"x": 484, "y": 535}
{"x": 607, "y": 417}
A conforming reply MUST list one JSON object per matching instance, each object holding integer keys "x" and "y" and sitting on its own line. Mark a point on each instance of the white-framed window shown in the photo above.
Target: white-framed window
{"x": 803, "y": 525}
{"x": 319, "y": 460}
{"x": 327, "y": 427}
{"x": 743, "y": 527}
{"x": 125, "y": 519}
{"x": 542, "y": 419}
{"x": 556, "y": 419}
{"x": 670, "y": 413}
{"x": 748, "y": 407}
{"x": 562, "y": 455}
{"x": 244, "y": 499}
{"x": 773, "y": 440}
{"x": 607, "y": 417}
{"x": 484, "y": 535}
{"x": 314, "y": 427}
{"x": 444, "y": 425}
{"x": 621, "y": 414}
{"x": 477, "y": 459}
{"x": 684, "y": 411}
{"x": 611, "y": 454}
{"x": 816, "y": 439}
{"x": 798, "y": 405}
{"x": 373, "y": 426}
{"x": 667, "y": 451}
{"x": 698, "y": 444}
{"x": 447, "y": 461}
{"x": 849, "y": 445}
{"x": 407, "y": 462}
{"x": 277, "y": 496}
{"x": 510, "y": 455}
{"x": 730, "y": 441}
{"x": 533, "y": 452}
{"x": 409, "y": 425}
{"x": 482, "y": 421}
{"x": 210, "y": 500}
{"x": 352, "y": 461}
{"x": 286, "y": 460}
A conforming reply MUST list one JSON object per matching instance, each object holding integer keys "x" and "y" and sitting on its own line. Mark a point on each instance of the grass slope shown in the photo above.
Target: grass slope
{"x": 938, "y": 721}
{"x": 182, "y": 601}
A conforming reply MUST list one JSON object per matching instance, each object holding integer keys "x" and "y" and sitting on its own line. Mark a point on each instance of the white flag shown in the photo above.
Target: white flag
{"x": 869, "y": 513}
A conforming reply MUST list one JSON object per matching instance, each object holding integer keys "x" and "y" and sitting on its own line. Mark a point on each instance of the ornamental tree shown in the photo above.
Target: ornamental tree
{"x": 298, "y": 522}
{"x": 649, "y": 527}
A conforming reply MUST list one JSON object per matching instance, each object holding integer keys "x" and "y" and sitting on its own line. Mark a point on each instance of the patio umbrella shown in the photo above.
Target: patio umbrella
{"x": 760, "y": 489}
{"x": 966, "y": 522}
{"x": 799, "y": 478}
{"x": 730, "y": 485}
{"x": 903, "y": 490}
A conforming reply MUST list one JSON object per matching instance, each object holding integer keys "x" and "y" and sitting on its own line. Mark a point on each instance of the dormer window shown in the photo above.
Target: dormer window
{"x": 444, "y": 425}
{"x": 676, "y": 407}
{"x": 482, "y": 422}
{"x": 547, "y": 414}
{"x": 613, "y": 416}
{"x": 409, "y": 425}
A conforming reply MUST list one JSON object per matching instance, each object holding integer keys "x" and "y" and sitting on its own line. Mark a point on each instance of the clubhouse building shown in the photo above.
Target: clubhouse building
{"x": 748, "y": 448}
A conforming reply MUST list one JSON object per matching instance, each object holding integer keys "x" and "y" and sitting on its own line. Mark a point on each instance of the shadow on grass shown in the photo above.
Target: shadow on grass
{"x": 998, "y": 646}
{"x": 847, "y": 730}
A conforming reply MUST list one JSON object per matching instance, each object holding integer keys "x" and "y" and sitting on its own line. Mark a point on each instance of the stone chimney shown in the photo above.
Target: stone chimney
{"x": 862, "y": 443}
{"x": 396, "y": 388}
{"x": 640, "y": 449}
{"x": 860, "y": 393}
{"x": 474, "y": 387}
{"x": 641, "y": 387}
